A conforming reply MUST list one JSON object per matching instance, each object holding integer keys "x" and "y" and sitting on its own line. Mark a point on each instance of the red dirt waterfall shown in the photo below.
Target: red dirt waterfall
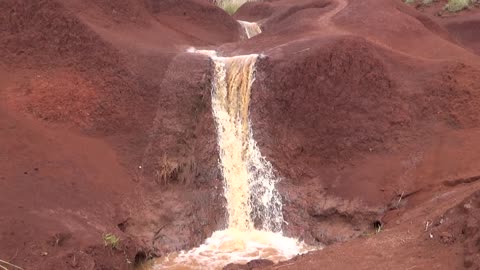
{"x": 249, "y": 181}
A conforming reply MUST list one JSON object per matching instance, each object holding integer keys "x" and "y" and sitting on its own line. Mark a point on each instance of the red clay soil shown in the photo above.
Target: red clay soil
{"x": 365, "y": 120}
{"x": 368, "y": 110}
{"x": 87, "y": 88}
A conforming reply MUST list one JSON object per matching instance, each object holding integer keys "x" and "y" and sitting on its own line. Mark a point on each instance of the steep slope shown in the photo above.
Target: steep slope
{"x": 86, "y": 87}
{"x": 362, "y": 118}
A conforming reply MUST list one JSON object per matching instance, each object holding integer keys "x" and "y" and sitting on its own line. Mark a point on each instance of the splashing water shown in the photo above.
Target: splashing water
{"x": 233, "y": 246}
{"x": 249, "y": 179}
{"x": 251, "y": 28}
{"x": 249, "y": 182}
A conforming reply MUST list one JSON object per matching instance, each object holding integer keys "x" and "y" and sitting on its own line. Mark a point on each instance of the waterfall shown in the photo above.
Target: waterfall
{"x": 249, "y": 179}
{"x": 254, "y": 205}
{"x": 251, "y": 28}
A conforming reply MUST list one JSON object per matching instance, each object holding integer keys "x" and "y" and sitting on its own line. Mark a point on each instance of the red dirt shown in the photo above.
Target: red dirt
{"x": 368, "y": 111}
{"x": 83, "y": 130}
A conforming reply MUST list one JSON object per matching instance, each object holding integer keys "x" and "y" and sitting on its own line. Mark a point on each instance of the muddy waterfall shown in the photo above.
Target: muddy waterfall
{"x": 254, "y": 206}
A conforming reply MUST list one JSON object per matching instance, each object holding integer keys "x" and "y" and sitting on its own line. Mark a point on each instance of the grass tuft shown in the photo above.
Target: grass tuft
{"x": 457, "y": 5}
{"x": 231, "y": 6}
{"x": 111, "y": 240}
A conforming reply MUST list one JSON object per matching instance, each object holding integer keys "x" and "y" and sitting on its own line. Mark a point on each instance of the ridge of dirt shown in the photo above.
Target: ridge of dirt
{"x": 83, "y": 131}
{"x": 429, "y": 96}
{"x": 328, "y": 124}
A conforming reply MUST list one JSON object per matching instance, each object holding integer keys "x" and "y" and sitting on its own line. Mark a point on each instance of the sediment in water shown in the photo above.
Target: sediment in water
{"x": 254, "y": 205}
{"x": 251, "y": 28}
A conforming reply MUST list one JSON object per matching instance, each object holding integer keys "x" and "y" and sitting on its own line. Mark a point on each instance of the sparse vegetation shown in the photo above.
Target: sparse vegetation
{"x": 231, "y": 6}
{"x": 457, "y": 5}
{"x": 166, "y": 170}
{"x": 169, "y": 170}
{"x": 111, "y": 240}
{"x": 378, "y": 228}
{"x": 451, "y": 6}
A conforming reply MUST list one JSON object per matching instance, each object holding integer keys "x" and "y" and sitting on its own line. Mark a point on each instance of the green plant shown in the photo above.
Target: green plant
{"x": 231, "y": 6}
{"x": 457, "y": 5}
{"x": 111, "y": 240}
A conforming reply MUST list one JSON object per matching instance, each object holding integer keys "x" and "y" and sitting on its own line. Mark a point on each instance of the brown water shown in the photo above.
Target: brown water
{"x": 249, "y": 181}
{"x": 251, "y": 28}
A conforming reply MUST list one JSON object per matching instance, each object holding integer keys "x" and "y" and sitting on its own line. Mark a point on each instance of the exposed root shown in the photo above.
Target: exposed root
{"x": 9, "y": 264}
{"x": 400, "y": 199}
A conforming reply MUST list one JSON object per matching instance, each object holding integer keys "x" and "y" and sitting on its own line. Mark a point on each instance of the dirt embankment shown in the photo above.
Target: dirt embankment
{"x": 364, "y": 121}
{"x": 107, "y": 129}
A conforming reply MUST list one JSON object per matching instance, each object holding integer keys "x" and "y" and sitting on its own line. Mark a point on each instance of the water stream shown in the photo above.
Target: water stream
{"x": 254, "y": 206}
{"x": 251, "y": 28}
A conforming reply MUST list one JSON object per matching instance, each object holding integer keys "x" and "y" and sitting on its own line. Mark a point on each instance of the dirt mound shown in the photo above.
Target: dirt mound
{"x": 334, "y": 76}
{"x": 191, "y": 22}
{"x": 324, "y": 92}
{"x": 343, "y": 119}
{"x": 48, "y": 35}
{"x": 44, "y": 37}
{"x": 42, "y": 34}
{"x": 327, "y": 117}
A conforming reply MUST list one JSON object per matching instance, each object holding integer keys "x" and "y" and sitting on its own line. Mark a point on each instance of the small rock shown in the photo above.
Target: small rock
{"x": 260, "y": 263}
